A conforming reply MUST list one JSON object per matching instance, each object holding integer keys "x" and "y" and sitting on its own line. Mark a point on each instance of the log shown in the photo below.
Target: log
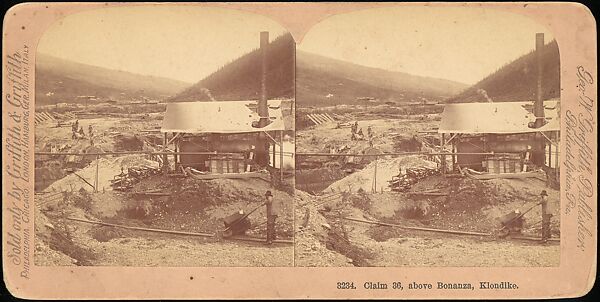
{"x": 140, "y": 228}
{"x": 419, "y": 228}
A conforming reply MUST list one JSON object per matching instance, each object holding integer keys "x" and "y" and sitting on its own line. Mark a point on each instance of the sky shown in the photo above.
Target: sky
{"x": 181, "y": 43}
{"x": 459, "y": 44}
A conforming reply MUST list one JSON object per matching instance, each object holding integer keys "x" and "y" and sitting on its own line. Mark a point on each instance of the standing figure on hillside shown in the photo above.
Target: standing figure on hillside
{"x": 546, "y": 216}
{"x": 353, "y": 128}
{"x": 81, "y": 132}
{"x": 90, "y": 130}
{"x": 273, "y": 209}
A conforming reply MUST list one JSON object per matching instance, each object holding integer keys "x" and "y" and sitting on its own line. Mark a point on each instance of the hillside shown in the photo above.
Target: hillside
{"x": 517, "y": 80}
{"x": 323, "y": 81}
{"x": 67, "y": 80}
{"x": 241, "y": 78}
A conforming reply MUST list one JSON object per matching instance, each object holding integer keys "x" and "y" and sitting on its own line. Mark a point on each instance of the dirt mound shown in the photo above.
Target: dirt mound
{"x": 45, "y": 256}
{"x": 407, "y": 144}
{"x": 386, "y": 169}
{"x": 311, "y": 235}
{"x": 383, "y": 233}
{"x": 59, "y": 237}
{"x": 359, "y": 255}
{"x": 106, "y": 233}
{"x": 108, "y": 167}
{"x": 128, "y": 142}
{"x": 200, "y": 205}
{"x": 315, "y": 180}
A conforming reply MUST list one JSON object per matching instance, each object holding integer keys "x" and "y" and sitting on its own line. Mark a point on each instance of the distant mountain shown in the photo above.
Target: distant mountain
{"x": 517, "y": 80}
{"x": 59, "y": 80}
{"x": 241, "y": 78}
{"x": 322, "y": 81}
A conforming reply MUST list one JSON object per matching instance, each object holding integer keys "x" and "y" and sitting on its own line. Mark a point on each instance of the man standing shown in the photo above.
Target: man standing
{"x": 353, "y": 128}
{"x": 273, "y": 209}
{"x": 546, "y": 216}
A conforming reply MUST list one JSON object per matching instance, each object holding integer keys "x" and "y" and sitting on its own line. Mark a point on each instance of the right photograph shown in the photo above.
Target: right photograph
{"x": 427, "y": 137}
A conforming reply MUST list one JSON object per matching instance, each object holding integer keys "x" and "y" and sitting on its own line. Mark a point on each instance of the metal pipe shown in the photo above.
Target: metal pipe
{"x": 538, "y": 108}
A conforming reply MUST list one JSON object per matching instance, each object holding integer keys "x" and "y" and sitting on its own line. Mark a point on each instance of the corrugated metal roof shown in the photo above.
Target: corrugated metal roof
{"x": 505, "y": 117}
{"x": 219, "y": 117}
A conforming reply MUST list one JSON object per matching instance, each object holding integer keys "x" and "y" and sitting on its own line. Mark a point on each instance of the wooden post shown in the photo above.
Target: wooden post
{"x": 454, "y": 153}
{"x": 374, "y": 188}
{"x": 274, "y": 156}
{"x": 549, "y": 144}
{"x": 175, "y": 157}
{"x": 97, "y": 173}
{"x": 165, "y": 166}
{"x": 556, "y": 168}
{"x": 281, "y": 156}
{"x": 443, "y": 156}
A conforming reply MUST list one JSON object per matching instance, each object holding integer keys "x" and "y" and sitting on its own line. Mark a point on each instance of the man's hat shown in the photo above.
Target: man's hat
{"x": 268, "y": 194}
{"x": 544, "y": 193}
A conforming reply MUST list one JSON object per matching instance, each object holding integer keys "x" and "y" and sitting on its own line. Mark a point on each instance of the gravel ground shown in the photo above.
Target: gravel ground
{"x": 184, "y": 252}
{"x": 436, "y": 250}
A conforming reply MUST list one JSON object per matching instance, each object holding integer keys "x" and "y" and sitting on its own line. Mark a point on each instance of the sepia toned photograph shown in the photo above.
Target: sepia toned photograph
{"x": 299, "y": 150}
{"x": 429, "y": 137}
{"x": 164, "y": 136}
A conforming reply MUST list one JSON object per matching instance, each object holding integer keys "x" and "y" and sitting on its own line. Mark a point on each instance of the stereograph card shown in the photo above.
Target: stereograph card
{"x": 299, "y": 150}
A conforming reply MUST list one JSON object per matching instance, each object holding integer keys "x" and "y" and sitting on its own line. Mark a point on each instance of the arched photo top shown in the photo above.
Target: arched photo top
{"x": 178, "y": 45}
{"x": 461, "y": 44}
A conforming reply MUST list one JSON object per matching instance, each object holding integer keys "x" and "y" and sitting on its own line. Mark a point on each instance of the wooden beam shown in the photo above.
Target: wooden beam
{"x": 140, "y": 228}
{"x": 419, "y": 228}
{"x": 281, "y": 156}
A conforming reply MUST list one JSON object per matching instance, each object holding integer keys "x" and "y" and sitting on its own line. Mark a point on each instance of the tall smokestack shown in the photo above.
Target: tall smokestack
{"x": 263, "y": 111}
{"x": 538, "y": 108}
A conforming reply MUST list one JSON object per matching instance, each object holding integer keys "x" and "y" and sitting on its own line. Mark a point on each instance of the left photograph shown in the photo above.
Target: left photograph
{"x": 164, "y": 136}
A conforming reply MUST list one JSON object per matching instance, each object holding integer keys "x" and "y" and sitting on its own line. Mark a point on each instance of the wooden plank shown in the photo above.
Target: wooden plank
{"x": 318, "y": 118}
{"x": 324, "y": 117}
{"x": 140, "y": 228}
{"x": 419, "y": 228}
{"x": 313, "y": 119}
{"x": 329, "y": 116}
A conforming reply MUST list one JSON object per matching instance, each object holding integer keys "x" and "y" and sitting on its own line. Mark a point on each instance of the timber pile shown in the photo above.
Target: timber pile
{"x": 125, "y": 181}
{"x": 403, "y": 183}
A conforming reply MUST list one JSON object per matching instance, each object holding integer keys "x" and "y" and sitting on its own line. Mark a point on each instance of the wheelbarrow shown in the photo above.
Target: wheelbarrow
{"x": 512, "y": 223}
{"x": 238, "y": 223}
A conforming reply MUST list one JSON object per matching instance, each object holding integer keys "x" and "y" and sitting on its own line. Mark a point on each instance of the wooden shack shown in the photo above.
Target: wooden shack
{"x": 500, "y": 137}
